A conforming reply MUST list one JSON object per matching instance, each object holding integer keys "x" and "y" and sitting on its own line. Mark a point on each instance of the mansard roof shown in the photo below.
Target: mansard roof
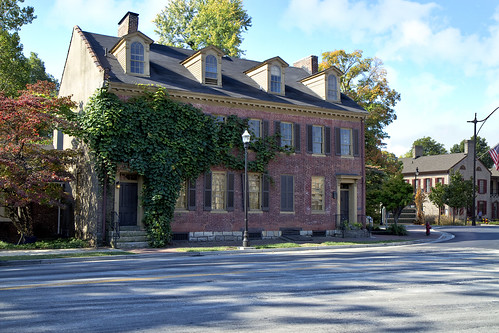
{"x": 166, "y": 70}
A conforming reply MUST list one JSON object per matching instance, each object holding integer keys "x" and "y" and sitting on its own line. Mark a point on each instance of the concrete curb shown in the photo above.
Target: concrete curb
{"x": 445, "y": 236}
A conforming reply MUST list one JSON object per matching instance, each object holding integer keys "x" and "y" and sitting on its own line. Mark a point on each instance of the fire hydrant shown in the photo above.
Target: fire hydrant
{"x": 428, "y": 227}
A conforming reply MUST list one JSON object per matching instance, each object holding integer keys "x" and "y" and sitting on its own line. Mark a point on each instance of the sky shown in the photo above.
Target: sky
{"x": 442, "y": 56}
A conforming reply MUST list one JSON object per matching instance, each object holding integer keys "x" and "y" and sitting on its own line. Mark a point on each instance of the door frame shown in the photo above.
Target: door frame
{"x": 352, "y": 181}
{"x": 129, "y": 177}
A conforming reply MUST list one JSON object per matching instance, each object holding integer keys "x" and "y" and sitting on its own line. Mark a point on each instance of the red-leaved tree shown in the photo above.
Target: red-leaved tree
{"x": 31, "y": 172}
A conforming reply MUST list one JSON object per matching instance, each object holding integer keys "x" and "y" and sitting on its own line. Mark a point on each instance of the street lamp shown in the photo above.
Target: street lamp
{"x": 416, "y": 180}
{"x": 475, "y": 133}
{"x": 246, "y": 139}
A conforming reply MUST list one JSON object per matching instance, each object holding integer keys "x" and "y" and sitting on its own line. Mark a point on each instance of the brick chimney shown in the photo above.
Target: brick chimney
{"x": 310, "y": 64}
{"x": 417, "y": 151}
{"x": 128, "y": 24}
{"x": 469, "y": 148}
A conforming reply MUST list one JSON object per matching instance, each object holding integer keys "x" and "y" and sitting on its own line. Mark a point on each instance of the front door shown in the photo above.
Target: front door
{"x": 344, "y": 204}
{"x": 128, "y": 204}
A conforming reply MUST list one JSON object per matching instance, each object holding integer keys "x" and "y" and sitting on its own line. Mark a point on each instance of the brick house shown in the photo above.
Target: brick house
{"x": 310, "y": 190}
{"x": 438, "y": 168}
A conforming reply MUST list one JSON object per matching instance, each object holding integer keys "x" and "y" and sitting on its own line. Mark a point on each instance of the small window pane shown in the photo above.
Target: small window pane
{"x": 218, "y": 191}
{"x": 286, "y": 134}
{"x": 137, "y": 58}
{"x": 332, "y": 88}
{"x": 317, "y": 140}
{"x": 254, "y": 187}
{"x": 275, "y": 79}
{"x": 255, "y": 128}
{"x": 346, "y": 141}
{"x": 211, "y": 67}
{"x": 317, "y": 193}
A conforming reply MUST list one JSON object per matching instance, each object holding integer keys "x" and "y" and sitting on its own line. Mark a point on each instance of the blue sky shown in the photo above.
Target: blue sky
{"x": 442, "y": 56}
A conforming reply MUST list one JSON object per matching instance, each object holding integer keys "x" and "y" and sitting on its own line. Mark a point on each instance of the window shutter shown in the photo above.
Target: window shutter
{"x": 337, "y": 141}
{"x": 327, "y": 140}
{"x": 356, "y": 139}
{"x": 207, "y": 191}
{"x": 484, "y": 186}
{"x": 265, "y": 193}
{"x": 191, "y": 195}
{"x": 277, "y": 130}
{"x": 309, "y": 139}
{"x": 230, "y": 192}
{"x": 297, "y": 137}
{"x": 265, "y": 125}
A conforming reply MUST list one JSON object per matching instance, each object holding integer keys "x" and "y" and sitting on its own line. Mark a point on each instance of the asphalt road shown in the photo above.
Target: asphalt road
{"x": 437, "y": 287}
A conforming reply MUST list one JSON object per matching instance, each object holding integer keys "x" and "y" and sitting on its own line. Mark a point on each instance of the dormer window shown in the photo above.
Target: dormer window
{"x": 332, "y": 87}
{"x": 275, "y": 79}
{"x": 269, "y": 75}
{"x": 137, "y": 58}
{"x": 211, "y": 70}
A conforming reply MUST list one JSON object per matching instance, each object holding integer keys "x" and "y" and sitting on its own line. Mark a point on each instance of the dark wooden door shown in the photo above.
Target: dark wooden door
{"x": 128, "y": 204}
{"x": 345, "y": 205}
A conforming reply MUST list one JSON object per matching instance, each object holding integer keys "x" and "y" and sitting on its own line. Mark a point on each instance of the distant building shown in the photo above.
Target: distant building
{"x": 438, "y": 169}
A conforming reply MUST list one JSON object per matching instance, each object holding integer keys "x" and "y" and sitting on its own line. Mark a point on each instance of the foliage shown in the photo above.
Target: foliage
{"x": 15, "y": 69}
{"x": 397, "y": 229}
{"x": 29, "y": 172}
{"x": 62, "y": 243}
{"x": 437, "y": 197}
{"x": 12, "y": 17}
{"x": 459, "y": 192}
{"x": 430, "y": 147}
{"x": 418, "y": 201}
{"x": 482, "y": 150}
{"x": 365, "y": 81}
{"x": 166, "y": 142}
{"x": 395, "y": 194}
{"x": 199, "y": 23}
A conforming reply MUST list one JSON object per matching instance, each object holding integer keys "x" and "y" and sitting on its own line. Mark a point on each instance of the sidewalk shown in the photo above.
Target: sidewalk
{"x": 416, "y": 236}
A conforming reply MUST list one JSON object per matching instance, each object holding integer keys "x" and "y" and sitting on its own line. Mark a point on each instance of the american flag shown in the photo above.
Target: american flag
{"x": 494, "y": 153}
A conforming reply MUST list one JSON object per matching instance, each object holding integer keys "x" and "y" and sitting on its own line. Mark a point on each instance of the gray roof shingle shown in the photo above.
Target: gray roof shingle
{"x": 433, "y": 163}
{"x": 166, "y": 70}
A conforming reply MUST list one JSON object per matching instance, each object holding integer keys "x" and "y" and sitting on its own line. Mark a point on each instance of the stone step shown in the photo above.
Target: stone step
{"x": 131, "y": 245}
{"x": 137, "y": 233}
{"x": 132, "y": 238}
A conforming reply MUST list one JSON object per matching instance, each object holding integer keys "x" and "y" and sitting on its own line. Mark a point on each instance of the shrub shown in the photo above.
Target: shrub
{"x": 397, "y": 230}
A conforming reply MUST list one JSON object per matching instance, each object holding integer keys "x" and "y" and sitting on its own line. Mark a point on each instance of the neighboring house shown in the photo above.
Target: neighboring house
{"x": 310, "y": 190}
{"x": 494, "y": 193}
{"x": 438, "y": 169}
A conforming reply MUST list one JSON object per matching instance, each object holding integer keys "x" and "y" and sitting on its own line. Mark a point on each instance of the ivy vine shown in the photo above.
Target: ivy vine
{"x": 166, "y": 142}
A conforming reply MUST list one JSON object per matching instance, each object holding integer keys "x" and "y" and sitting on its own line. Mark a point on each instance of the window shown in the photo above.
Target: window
{"x": 219, "y": 119}
{"x": 254, "y": 189}
{"x": 332, "y": 88}
{"x": 137, "y": 58}
{"x": 317, "y": 140}
{"x": 275, "y": 79}
{"x": 218, "y": 191}
{"x": 218, "y": 198}
{"x": 482, "y": 186}
{"x": 427, "y": 185}
{"x": 287, "y": 193}
{"x": 482, "y": 207}
{"x": 182, "y": 198}
{"x": 286, "y": 134}
{"x": 317, "y": 194}
{"x": 439, "y": 180}
{"x": 211, "y": 72}
{"x": 255, "y": 128}
{"x": 346, "y": 141}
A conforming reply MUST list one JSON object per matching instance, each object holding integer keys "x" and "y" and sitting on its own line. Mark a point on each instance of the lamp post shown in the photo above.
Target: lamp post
{"x": 416, "y": 174}
{"x": 246, "y": 139}
{"x": 475, "y": 133}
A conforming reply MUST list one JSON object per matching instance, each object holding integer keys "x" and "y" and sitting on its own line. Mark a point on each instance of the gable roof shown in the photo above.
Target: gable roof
{"x": 167, "y": 71}
{"x": 433, "y": 163}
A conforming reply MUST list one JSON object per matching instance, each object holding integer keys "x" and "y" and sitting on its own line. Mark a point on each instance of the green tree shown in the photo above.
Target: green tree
{"x": 482, "y": 150}
{"x": 437, "y": 197}
{"x": 458, "y": 193}
{"x": 430, "y": 147}
{"x": 199, "y": 23}
{"x": 12, "y": 16}
{"x": 365, "y": 81}
{"x": 395, "y": 194}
